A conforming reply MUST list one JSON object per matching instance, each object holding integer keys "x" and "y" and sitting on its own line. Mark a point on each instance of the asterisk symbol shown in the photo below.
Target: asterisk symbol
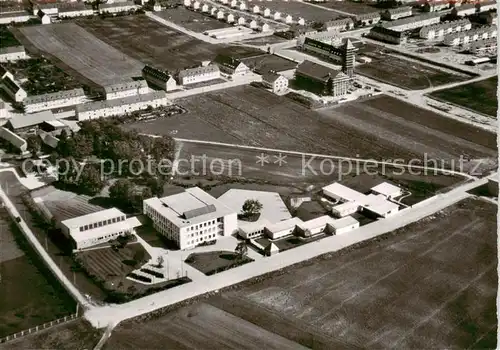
{"x": 280, "y": 159}
{"x": 262, "y": 159}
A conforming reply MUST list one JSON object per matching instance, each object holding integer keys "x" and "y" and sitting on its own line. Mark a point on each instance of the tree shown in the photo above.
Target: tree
{"x": 121, "y": 190}
{"x": 90, "y": 180}
{"x": 34, "y": 144}
{"x": 241, "y": 250}
{"x": 251, "y": 207}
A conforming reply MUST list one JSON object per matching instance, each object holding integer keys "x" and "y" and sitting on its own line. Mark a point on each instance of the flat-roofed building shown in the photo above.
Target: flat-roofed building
{"x": 15, "y": 140}
{"x": 127, "y": 89}
{"x": 53, "y": 100}
{"x": 96, "y": 228}
{"x": 15, "y": 92}
{"x": 12, "y": 53}
{"x": 159, "y": 78}
{"x": 121, "y": 106}
{"x": 388, "y": 190}
{"x": 378, "y": 206}
{"x": 322, "y": 224}
{"x": 198, "y": 74}
{"x": 343, "y": 225}
{"x": 345, "y": 209}
{"x": 342, "y": 193}
{"x": 20, "y": 123}
{"x": 282, "y": 228}
{"x": 191, "y": 217}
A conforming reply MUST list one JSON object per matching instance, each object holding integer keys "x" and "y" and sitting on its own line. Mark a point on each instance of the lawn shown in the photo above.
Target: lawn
{"x": 480, "y": 96}
{"x": 211, "y": 263}
{"x": 30, "y": 295}
{"x": 191, "y": 20}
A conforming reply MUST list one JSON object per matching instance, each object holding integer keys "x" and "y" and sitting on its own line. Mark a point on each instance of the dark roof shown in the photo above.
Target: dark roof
{"x": 270, "y": 77}
{"x": 156, "y": 73}
{"x": 2, "y": 71}
{"x": 387, "y": 31}
{"x": 316, "y": 71}
{"x": 10, "y": 85}
{"x": 199, "y": 211}
{"x": 188, "y": 72}
{"x": 399, "y": 9}
{"x": 340, "y": 21}
{"x": 369, "y": 15}
{"x": 227, "y": 61}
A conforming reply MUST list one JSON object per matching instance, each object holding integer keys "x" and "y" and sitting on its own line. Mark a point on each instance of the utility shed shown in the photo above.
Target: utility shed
{"x": 344, "y": 225}
{"x": 387, "y": 190}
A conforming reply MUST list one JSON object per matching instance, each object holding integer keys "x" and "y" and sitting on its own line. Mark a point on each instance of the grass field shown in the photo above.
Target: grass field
{"x": 403, "y": 73}
{"x": 252, "y": 116}
{"x": 30, "y": 295}
{"x": 78, "y": 334}
{"x": 429, "y": 285}
{"x": 356, "y": 8}
{"x": 480, "y": 96}
{"x": 152, "y": 43}
{"x": 299, "y": 9}
{"x": 191, "y": 20}
{"x": 265, "y": 63}
{"x": 85, "y": 54}
{"x": 213, "y": 262}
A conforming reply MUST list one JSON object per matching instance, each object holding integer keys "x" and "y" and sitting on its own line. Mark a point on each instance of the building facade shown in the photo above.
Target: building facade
{"x": 438, "y": 31}
{"x": 191, "y": 218}
{"x": 198, "y": 74}
{"x": 340, "y": 25}
{"x": 17, "y": 17}
{"x": 231, "y": 66}
{"x": 483, "y": 46}
{"x": 118, "y": 7}
{"x": 276, "y": 82}
{"x": 54, "y": 100}
{"x": 387, "y": 35}
{"x": 127, "y": 89}
{"x": 12, "y": 89}
{"x": 463, "y": 38}
{"x": 396, "y": 13}
{"x": 159, "y": 78}
{"x": 343, "y": 53}
{"x": 322, "y": 80}
{"x": 367, "y": 19}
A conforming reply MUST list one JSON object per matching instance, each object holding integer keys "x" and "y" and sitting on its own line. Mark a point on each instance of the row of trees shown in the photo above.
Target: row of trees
{"x": 129, "y": 196}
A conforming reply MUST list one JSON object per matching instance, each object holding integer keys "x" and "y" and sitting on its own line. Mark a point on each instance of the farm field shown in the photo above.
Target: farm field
{"x": 389, "y": 292}
{"x": 480, "y": 96}
{"x": 155, "y": 44}
{"x": 83, "y": 53}
{"x": 355, "y": 8}
{"x": 251, "y": 116}
{"x": 265, "y": 63}
{"x": 78, "y": 334}
{"x": 23, "y": 307}
{"x": 191, "y": 20}
{"x": 299, "y": 9}
{"x": 404, "y": 73}
{"x": 200, "y": 326}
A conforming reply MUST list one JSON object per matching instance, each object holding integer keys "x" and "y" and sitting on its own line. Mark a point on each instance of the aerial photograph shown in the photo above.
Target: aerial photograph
{"x": 248, "y": 174}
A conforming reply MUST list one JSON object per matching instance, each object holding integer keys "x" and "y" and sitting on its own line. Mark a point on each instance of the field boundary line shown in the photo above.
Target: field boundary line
{"x": 361, "y": 160}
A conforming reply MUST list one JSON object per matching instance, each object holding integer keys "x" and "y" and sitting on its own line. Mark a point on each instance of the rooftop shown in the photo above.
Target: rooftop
{"x": 379, "y": 204}
{"x": 117, "y": 4}
{"x": 93, "y": 106}
{"x": 344, "y": 192}
{"x": 344, "y": 222}
{"x": 386, "y": 189}
{"x": 284, "y": 224}
{"x": 190, "y": 207}
{"x": 106, "y": 229}
{"x": 189, "y": 72}
{"x": 54, "y": 96}
{"x": 11, "y": 49}
{"x": 318, "y": 71}
{"x": 126, "y": 86}
{"x": 92, "y": 218}
{"x": 317, "y": 222}
{"x": 156, "y": 73}
{"x": 23, "y": 121}
{"x": 11, "y": 85}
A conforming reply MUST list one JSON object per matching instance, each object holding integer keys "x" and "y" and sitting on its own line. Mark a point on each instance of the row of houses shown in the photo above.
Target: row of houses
{"x": 441, "y": 29}
{"x": 16, "y": 17}
{"x": 483, "y": 46}
{"x": 53, "y": 100}
{"x": 465, "y": 37}
{"x": 126, "y": 89}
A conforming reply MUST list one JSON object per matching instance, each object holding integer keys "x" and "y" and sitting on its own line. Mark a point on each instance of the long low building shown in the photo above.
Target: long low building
{"x": 117, "y": 7}
{"x": 198, "y": 74}
{"x": 122, "y": 90}
{"x": 15, "y": 92}
{"x": 121, "y": 106}
{"x": 18, "y": 17}
{"x": 53, "y": 100}
{"x": 282, "y": 228}
{"x": 96, "y": 228}
{"x": 441, "y": 29}
{"x": 18, "y": 142}
{"x": 20, "y": 123}
{"x": 468, "y": 36}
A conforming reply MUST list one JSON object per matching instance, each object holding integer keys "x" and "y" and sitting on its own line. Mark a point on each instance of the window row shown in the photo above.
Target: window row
{"x": 101, "y": 223}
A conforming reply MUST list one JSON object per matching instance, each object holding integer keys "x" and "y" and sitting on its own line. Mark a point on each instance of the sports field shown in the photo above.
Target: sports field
{"x": 479, "y": 96}
{"x": 82, "y": 52}
{"x": 430, "y": 285}
{"x": 153, "y": 43}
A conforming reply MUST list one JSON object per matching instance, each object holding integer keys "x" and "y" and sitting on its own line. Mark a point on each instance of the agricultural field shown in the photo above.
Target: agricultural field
{"x": 265, "y": 63}
{"x": 155, "y": 44}
{"x": 404, "y": 73}
{"x": 350, "y": 7}
{"x": 191, "y": 20}
{"x": 75, "y": 48}
{"x": 389, "y": 292}
{"x": 480, "y": 96}
{"x": 21, "y": 307}
{"x": 299, "y": 9}
{"x": 78, "y": 334}
{"x": 39, "y": 76}
{"x": 251, "y": 116}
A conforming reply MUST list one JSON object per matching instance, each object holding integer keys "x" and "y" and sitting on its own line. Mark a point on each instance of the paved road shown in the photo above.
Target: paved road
{"x": 113, "y": 314}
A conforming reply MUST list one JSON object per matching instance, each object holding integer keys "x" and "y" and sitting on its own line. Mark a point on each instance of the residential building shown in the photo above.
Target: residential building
{"x": 278, "y": 83}
{"x": 265, "y": 27}
{"x": 75, "y": 10}
{"x": 21, "y": 123}
{"x": 198, "y": 74}
{"x": 344, "y": 52}
{"x": 159, "y": 78}
{"x": 255, "y": 9}
{"x": 322, "y": 80}
{"x": 118, "y": 7}
{"x": 339, "y": 24}
{"x": 191, "y": 217}
{"x": 367, "y": 19}
{"x": 468, "y": 36}
{"x": 282, "y": 228}
{"x": 44, "y": 18}
{"x": 473, "y": 8}
{"x": 231, "y": 66}
{"x": 415, "y": 22}
{"x": 483, "y": 46}
{"x": 439, "y": 30}
{"x": 396, "y": 13}
{"x": 288, "y": 19}
{"x": 12, "y": 53}
{"x": 17, "y": 17}
{"x": 53, "y": 100}
{"x": 122, "y": 90}
{"x": 277, "y": 16}
{"x": 5, "y": 73}
{"x": 96, "y": 228}
{"x": 12, "y": 89}
{"x": 435, "y": 5}
{"x": 301, "y": 21}
{"x": 387, "y": 35}
{"x": 121, "y": 106}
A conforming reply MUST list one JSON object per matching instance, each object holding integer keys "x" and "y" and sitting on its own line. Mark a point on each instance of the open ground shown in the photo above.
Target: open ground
{"x": 299, "y": 9}
{"x": 349, "y": 6}
{"x": 265, "y": 63}
{"x": 480, "y": 96}
{"x": 30, "y": 294}
{"x": 152, "y": 43}
{"x": 83, "y": 53}
{"x": 404, "y": 73}
{"x": 191, "y": 20}
{"x": 431, "y": 284}
{"x": 255, "y": 117}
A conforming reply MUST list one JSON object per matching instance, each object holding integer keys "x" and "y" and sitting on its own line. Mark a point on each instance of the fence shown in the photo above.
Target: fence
{"x": 38, "y": 328}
